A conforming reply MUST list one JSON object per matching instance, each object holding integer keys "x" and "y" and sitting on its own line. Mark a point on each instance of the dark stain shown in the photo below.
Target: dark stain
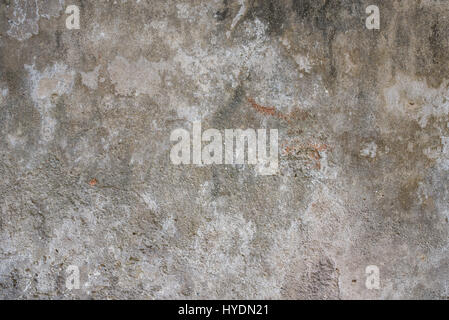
{"x": 222, "y": 14}
{"x": 222, "y": 117}
{"x": 58, "y": 34}
{"x": 402, "y": 35}
{"x": 271, "y": 12}
{"x": 14, "y": 80}
{"x": 435, "y": 43}
{"x": 402, "y": 40}
{"x": 408, "y": 194}
{"x": 216, "y": 184}
{"x": 320, "y": 283}
{"x": 302, "y": 8}
{"x": 327, "y": 19}
{"x": 332, "y": 71}
{"x": 432, "y": 47}
{"x": 221, "y": 120}
{"x": 328, "y": 15}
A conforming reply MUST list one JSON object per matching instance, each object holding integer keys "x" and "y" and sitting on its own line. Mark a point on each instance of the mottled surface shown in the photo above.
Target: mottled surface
{"x": 86, "y": 178}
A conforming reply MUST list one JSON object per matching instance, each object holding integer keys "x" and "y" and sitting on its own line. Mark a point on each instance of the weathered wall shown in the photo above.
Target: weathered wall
{"x": 86, "y": 177}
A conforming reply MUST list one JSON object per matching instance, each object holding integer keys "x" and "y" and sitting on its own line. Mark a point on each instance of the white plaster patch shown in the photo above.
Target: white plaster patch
{"x": 369, "y": 150}
{"x": 57, "y": 79}
{"x": 25, "y": 15}
{"x": 443, "y": 158}
{"x": 303, "y": 63}
{"x": 183, "y": 10}
{"x": 238, "y": 17}
{"x": 169, "y": 226}
{"x": 15, "y": 140}
{"x": 149, "y": 201}
{"x": 216, "y": 241}
{"x": 3, "y": 94}
{"x": 412, "y": 98}
{"x": 50, "y": 8}
{"x": 90, "y": 79}
{"x": 190, "y": 113}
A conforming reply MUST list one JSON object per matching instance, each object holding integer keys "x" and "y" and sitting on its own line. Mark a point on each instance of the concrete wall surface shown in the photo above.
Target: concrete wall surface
{"x": 94, "y": 206}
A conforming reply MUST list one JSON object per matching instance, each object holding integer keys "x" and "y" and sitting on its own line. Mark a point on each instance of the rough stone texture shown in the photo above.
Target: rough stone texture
{"x": 86, "y": 178}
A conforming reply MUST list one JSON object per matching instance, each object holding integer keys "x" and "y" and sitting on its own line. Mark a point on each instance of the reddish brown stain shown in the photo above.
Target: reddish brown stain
{"x": 312, "y": 150}
{"x": 271, "y": 111}
{"x": 319, "y": 146}
{"x": 296, "y": 114}
{"x": 299, "y": 114}
{"x": 93, "y": 182}
{"x": 266, "y": 110}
